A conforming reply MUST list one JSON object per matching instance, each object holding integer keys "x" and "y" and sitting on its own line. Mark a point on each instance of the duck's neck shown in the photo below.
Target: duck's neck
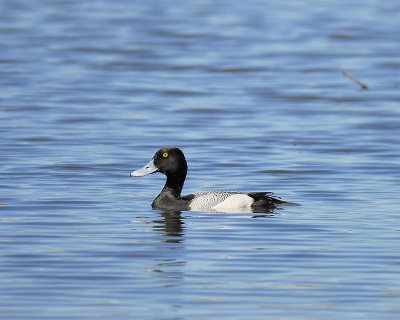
{"x": 174, "y": 185}
{"x": 170, "y": 196}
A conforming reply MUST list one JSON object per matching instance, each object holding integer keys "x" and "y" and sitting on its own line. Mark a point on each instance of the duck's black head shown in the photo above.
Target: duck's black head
{"x": 169, "y": 161}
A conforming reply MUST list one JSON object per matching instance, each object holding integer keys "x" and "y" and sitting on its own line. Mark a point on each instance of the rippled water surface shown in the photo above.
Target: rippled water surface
{"x": 253, "y": 93}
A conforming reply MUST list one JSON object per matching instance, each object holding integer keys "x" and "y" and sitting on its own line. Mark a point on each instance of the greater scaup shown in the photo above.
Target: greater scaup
{"x": 172, "y": 163}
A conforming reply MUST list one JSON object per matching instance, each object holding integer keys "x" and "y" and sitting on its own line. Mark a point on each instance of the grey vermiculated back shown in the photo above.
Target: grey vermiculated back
{"x": 208, "y": 199}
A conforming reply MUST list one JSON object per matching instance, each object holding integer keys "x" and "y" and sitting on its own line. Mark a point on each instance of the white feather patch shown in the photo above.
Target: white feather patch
{"x": 236, "y": 203}
{"x": 205, "y": 200}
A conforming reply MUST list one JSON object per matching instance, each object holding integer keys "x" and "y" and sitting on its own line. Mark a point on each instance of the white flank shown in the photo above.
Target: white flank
{"x": 237, "y": 203}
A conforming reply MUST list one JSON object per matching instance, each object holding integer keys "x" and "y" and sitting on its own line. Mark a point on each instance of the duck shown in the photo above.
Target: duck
{"x": 171, "y": 162}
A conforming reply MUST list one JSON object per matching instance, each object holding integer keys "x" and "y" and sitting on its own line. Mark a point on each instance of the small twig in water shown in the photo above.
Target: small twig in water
{"x": 362, "y": 85}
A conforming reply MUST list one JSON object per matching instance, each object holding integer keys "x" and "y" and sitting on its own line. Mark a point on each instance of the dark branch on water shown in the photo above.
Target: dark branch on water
{"x": 362, "y": 85}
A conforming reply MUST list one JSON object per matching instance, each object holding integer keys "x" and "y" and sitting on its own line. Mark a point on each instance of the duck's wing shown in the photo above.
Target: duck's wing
{"x": 207, "y": 200}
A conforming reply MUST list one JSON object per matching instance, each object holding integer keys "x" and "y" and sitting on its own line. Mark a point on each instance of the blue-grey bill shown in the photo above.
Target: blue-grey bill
{"x": 147, "y": 169}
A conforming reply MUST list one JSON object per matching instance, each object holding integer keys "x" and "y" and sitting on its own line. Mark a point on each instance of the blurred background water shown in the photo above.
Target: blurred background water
{"x": 253, "y": 93}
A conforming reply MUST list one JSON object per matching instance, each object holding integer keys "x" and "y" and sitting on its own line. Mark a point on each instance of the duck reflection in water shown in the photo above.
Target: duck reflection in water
{"x": 171, "y": 225}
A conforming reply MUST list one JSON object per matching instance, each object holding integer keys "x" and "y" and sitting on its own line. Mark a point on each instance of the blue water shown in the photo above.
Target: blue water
{"x": 253, "y": 93}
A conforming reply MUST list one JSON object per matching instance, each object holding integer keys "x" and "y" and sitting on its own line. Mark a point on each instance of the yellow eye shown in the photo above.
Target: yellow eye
{"x": 165, "y": 155}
